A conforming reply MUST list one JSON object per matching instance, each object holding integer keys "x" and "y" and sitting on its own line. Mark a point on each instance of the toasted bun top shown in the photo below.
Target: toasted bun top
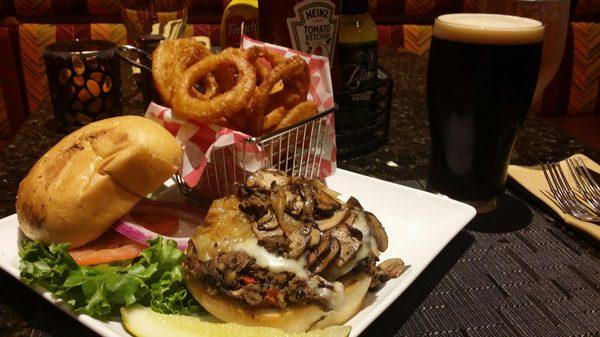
{"x": 94, "y": 176}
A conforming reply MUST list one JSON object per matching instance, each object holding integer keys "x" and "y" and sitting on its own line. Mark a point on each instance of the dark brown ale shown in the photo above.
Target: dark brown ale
{"x": 482, "y": 74}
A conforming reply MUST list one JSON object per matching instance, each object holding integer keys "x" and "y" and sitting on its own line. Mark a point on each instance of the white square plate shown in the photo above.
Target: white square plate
{"x": 419, "y": 225}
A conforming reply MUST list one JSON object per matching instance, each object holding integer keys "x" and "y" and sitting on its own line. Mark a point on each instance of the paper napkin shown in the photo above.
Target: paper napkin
{"x": 533, "y": 180}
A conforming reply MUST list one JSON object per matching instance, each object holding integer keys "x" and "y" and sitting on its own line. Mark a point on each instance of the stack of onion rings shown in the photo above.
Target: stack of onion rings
{"x": 256, "y": 91}
{"x": 170, "y": 60}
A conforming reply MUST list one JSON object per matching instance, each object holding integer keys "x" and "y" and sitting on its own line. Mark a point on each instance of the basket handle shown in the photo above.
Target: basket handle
{"x": 124, "y": 53}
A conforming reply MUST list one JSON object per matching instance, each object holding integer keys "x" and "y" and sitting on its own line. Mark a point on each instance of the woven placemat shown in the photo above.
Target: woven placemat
{"x": 512, "y": 272}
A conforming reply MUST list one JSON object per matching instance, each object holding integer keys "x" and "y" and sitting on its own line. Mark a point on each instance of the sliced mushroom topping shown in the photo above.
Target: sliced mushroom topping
{"x": 262, "y": 233}
{"x": 336, "y": 219}
{"x": 268, "y": 221}
{"x": 297, "y": 233}
{"x": 393, "y": 267}
{"x": 321, "y": 186}
{"x": 269, "y": 235}
{"x": 353, "y": 203}
{"x": 298, "y": 244}
{"x": 349, "y": 245}
{"x": 294, "y": 204}
{"x": 320, "y": 258}
{"x": 308, "y": 197}
{"x": 378, "y": 231}
{"x": 332, "y": 253}
{"x": 386, "y": 270}
{"x": 349, "y": 221}
{"x": 321, "y": 249}
{"x": 355, "y": 232}
{"x": 278, "y": 203}
{"x": 325, "y": 204}
{"x": 265, "y": 179}
{"x": 314, "y": 237}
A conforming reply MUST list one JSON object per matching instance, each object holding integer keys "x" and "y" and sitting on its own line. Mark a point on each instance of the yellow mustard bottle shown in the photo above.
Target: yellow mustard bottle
{"x": 236, "y": 12}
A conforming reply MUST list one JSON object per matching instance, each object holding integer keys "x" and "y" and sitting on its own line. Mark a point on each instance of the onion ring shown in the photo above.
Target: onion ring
{"x": 299, "y": 113}
{"x": 287, "y": 97}
{"x": 222, "y": 105}
{"x": 210, "y": 86}
{"x": 273, "y": 118}
{"x": 290, "y": 68}
{"x": 170, "y": 59}
{"x": 259, "y": 57}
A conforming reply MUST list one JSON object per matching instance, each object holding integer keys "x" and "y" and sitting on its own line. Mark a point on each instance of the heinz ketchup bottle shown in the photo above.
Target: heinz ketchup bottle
{"x": 307, "y": 25}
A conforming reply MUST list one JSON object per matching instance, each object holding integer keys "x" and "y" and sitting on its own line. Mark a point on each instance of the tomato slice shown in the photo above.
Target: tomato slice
{"x": 112, "y": 246}
{"x": 163, "y": 224}
{"x": 109, "y": 247}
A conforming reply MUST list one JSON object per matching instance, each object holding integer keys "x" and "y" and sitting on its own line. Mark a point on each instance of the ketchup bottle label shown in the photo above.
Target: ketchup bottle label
{"x": 313, "y": 29}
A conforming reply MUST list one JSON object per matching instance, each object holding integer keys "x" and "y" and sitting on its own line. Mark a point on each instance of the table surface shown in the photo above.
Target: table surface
{"x": 513, "y": 272}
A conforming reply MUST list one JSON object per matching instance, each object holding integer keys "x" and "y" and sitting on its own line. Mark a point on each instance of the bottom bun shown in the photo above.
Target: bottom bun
{"x": 297, "y": 318}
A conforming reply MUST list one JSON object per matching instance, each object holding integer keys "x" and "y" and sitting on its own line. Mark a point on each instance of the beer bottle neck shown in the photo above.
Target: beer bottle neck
{"x": 353, "y": 7}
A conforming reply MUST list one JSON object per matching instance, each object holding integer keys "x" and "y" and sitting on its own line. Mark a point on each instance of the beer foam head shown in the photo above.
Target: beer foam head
{"x": 488, "y": 29}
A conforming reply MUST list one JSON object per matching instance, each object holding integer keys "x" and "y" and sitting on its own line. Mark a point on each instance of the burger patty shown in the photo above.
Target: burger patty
{"x": 236, "y": 275}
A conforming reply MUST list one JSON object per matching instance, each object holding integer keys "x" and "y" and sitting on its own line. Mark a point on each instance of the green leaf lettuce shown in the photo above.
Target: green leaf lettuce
{"x": 155, "y": 279}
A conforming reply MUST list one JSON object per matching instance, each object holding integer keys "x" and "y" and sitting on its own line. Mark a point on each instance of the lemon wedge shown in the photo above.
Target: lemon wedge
{"x": 144, "y": 322}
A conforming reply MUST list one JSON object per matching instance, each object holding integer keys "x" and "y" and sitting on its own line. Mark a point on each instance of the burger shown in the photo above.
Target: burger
{"x": 286, "y": 252}
{"x": 94, "y": 176}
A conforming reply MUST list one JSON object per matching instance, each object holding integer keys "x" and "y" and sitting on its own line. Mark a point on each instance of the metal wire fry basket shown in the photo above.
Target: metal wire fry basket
{"x": 297, "y": 150}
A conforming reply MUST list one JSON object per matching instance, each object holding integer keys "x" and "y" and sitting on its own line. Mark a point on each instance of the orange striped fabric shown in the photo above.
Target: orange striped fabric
{"x": 33, "y": 7}
{"x": 419, "y": 7}
{"x": 470, "y": 6}
{"x": 33, "y": 39}
{"x": 417, "y": 38}
{"x": 588, "y": 7}
{"x": 4, "y": 125}
{"x": 585, "y": 79}
{"x": 109, "y": 31}
{"x": 103, "y": 6}
{"x": 388, "y": 8}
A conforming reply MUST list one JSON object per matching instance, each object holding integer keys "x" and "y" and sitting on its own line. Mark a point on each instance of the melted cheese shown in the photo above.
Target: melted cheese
{"x": 332, "y": 293}
{"x": 274, "y": 263}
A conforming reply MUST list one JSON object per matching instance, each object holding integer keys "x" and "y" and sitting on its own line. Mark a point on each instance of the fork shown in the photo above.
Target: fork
{"x": 564, "y": 196}
{"x": 586, "y": 184}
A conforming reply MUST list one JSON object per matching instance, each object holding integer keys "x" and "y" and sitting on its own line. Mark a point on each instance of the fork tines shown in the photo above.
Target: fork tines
{"x": 565, "y": 197}
{"x": 586, "y": 184}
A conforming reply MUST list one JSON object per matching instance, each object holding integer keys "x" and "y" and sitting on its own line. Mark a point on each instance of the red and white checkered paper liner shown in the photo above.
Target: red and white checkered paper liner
{"x": 200, "y": 140}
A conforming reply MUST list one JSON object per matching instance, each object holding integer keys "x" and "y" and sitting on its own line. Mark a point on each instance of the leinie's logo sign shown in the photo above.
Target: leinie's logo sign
{"x": 360, "y": 70}
{"x": 313, "y": 29}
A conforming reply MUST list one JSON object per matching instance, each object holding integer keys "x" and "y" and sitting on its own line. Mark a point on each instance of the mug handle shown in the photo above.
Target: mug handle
{"x": 124, "y": 52}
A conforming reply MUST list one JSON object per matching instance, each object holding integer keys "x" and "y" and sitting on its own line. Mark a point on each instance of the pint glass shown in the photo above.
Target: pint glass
{"x": 482, "y": 74}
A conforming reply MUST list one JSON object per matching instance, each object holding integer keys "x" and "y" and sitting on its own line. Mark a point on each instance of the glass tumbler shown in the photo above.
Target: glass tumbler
{"x": 148, "y": 22}
{"x": 554, "y": 14}
{"x": 483, "y": 70}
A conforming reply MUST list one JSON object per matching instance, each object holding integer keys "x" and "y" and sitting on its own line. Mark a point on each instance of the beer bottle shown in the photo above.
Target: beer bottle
{"x": 357, "y": 48}
{"x": 236, "y": 12}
